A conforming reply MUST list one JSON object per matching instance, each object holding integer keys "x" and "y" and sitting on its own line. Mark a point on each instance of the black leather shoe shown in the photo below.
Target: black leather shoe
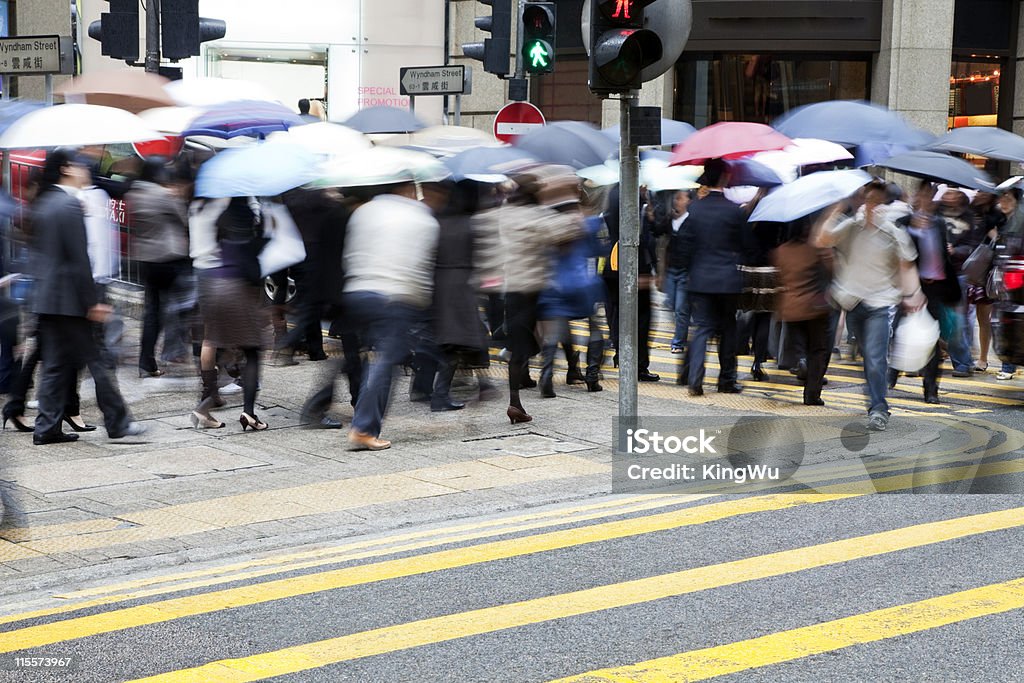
{"x": 813, "y": 402}
{"x": 757, "y": 374}
{"x": 696, "y": 391}
{"x": 327, "y": 422}
{"x": 730, "y": 389}
{"x": 443, "y": 406}
{"x": 931, "y": 398}
{"x": 647, "y": 376}
{"x": 53, "y": 437}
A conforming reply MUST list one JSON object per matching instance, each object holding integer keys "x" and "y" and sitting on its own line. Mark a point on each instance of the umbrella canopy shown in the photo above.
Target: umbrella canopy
{"x": 748, "y": 172}
{"x": 788, "y": 161}
{"x": 384, "y": 120}
{"x": 655, "y": 174}
{"x": 207, "y": 92}
{"x": 251, "y": 118}
{"x": 381, "y": 166}
{"x": 985, "y": 141}
{"x": 568, "y": 143}
{"x": 12, "y": 110}
{"x": 672, "y": 132}
{"x": 808, "y": 194}
{"x": 940, "y": 167}
{"x": 870, "y": 153}
{"x": 75, "y": 125}
{"x": 1011, "y": 182}
{"x": 263, "y": 170}
{"x": 727, "y": 140}
{"x": 131, "y": 90}
{"x": 850, "y": 122}
{"x": 170, "y": 120}
{"x": 489, "y": 164}
{"x": 443, "y": 140}
{"x": 330, "y": 139}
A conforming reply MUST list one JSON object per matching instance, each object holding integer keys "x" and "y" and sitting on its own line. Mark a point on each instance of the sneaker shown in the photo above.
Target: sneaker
{"x": 1004, "y": 375}
{"x": 878, "y": 422}
{"x": 230, "y": 388}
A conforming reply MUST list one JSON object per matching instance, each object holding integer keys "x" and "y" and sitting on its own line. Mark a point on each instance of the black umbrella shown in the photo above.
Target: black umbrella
{"x": 384, "y": 120}
{"x": 570, "y": 143}
{"x": 985, "y": 141}
{"x": 940, "y": 167}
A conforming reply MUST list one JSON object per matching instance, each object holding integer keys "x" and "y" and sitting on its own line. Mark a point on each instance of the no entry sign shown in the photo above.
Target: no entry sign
{"x": 515, "y": 119}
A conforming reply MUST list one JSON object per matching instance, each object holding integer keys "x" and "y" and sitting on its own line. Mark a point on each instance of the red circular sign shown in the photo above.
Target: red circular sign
{"x": 169, "y": 147}
{"x": 515, "y": 119}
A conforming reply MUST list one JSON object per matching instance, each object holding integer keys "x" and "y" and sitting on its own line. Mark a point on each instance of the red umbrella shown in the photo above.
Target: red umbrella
{"x": 727, "y": 140}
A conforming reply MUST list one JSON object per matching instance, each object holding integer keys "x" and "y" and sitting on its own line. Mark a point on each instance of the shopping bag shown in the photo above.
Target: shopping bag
{"x": 284, "y": 248}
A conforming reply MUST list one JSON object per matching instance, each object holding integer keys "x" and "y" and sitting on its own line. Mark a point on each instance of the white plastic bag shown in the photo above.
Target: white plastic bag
{"x": 285, "y": 247}
{"x": 914, "y": 341}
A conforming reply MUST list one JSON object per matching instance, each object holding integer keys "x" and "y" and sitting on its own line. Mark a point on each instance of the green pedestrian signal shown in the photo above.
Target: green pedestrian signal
{"x": 538, "y": 37}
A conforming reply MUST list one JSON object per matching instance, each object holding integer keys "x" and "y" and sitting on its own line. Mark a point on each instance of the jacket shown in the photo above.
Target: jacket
{"x": 946, "y": 290}
{"x": 60, "y": 258}
{"x": 716, "y": 240}
{"x": 804, "y": 274}
{"x": 159, "y": 223}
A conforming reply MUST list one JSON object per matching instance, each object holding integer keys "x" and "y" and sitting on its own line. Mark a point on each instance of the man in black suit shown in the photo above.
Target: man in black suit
{"x": 715, "y": 241}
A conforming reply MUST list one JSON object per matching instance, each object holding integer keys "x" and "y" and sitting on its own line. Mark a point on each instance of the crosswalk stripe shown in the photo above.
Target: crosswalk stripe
{"x": 488, "y": 620}
{"x": 787, "y": 646}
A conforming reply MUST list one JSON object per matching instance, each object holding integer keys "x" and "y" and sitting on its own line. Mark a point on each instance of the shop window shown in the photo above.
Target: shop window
{"x": 291, "y": 74}
{"x": 761, "y": 87}
{"x": 974, "y": 93}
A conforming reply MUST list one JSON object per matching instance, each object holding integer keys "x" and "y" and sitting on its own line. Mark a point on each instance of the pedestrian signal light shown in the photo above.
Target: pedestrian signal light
{"x": 620, "y": 46}
{"x": 538, "y": 39}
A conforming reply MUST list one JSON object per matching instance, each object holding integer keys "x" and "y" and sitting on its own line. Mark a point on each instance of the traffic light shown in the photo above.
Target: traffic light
{"x": 118, "y": 30}
{"x": 493, "y": 51}
{"x": 538, "y": 38}
{"x": 620, "y": 46}
{"x": 182, "y": 29}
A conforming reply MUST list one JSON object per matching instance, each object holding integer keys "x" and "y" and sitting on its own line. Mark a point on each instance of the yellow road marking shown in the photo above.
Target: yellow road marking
{"x": 786, "y": 646}
{"x": 488, "y": 620}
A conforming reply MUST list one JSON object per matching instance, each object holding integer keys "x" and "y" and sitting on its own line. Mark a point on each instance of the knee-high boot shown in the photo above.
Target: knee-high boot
{"x": 547, "y": 370}
{"x": 572, "y": 357}
{"x": 441, "y": 399}
{"x": 595, "y": 352}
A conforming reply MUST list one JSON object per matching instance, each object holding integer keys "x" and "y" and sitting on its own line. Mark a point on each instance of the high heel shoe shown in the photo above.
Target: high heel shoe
{"x": 205, "y": 421}
{"x": 517, "y": 415}
{"x": 151, "y": 373}
{"x": 251, "y": 422}
{"x": 18, "y": 424}
{"x": 79, "y": 427}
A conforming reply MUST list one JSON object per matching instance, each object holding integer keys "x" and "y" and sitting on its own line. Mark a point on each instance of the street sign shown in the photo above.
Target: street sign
{"x": 432, "y": 80}
{"x": 515, "y": 119}
{"x": 34, "y": 55}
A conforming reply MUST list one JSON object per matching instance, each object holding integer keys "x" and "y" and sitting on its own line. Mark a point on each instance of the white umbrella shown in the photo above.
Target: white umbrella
{"x": 442, "y": 140}
{"x": 808, "y": 194}
{"x": 802, "y": 152}
{"x": 170, "y": 120}
{"x": 330, "y": 139}
{"x": 76, "y": 125}
{"x": 205, "y": 92}
{"x": 656, "y": 174}
{"x": 381, "y": 166}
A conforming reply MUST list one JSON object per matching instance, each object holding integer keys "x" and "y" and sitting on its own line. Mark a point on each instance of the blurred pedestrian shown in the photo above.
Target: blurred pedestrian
{"x": 1008, "y": 205}
{"x": 672, "y": 274}
{"x": 962, "y": 237}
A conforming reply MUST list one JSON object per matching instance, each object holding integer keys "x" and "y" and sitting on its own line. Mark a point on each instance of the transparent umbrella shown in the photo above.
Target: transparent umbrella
{"x": 381, "y": 166}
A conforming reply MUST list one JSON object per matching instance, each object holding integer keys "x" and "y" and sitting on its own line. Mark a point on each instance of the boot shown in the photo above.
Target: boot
{"x": 441, "y": 399}
{"x": 422, "y": 385}
{"x": 210, "y": 392}
{"x": 547, "y": 371}
{"x": 573, "y": 376}
{"x": 201, "y": 416}
{"x": 595, "y": 352}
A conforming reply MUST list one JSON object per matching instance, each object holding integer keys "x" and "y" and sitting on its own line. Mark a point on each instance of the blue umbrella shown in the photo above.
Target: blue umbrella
{"x": 851, "y": 123}
{"x": 262, "y": 170}
{"x": 384, "y": 120}
{"x": 870, "y": 153}
{"x": 808, "y": 194}
{"x": 747, "y": 172}
{"x": 488, "y": 162}
{"x": 569, "y": 143}
{"x": 251, "y": 118}
{"x": 940, "y": 167}
{"x": 12, "y": 110}
{"x": 672, "y": 132}
{"x": 985, "y": 141}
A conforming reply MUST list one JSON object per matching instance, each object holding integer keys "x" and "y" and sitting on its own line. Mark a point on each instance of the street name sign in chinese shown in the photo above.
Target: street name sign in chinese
{"x": 433, "y": 80}
{"x": 34, "y": 55}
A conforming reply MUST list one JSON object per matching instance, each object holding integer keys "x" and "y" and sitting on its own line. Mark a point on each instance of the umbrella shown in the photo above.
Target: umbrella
{"x": 170, "y": 120}
{"x": 330, "y": 139}
{"x": 12, "y": 110}
{"x": 489, "y": 164}
{"x": 940, "y": 167}
{"x": 655, "y": 174}
{"x": 985, "y": 141}
{"x": 131, "y": 90}
{"x": 569, "y": 143}
{"x": 443, "y": 140}
{"x": 206, "y": 92}
{"x": 381, "y": 166}
{"x": 251, "y": 118}
{"x": 806, "y": 195}
{"x": 384, "y": 120}
{"x": 850, "y": 122}
{"x": 749, "y": 172}
{"x": 727, "y": 140}
{"x": 870, "y": 153}
{"x": 672, "y": 132}
{"x": 1011, "y": 182}
{"x": 75, "y": 125}
{"x": 786, "y": 162}
{"x": 262, "y": 170}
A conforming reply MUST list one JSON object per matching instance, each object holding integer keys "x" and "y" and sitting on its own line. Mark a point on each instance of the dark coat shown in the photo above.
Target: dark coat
{"x": 60, "y": 259}
{"x": 457, "y": 321}
{"x": 716, "y": 240}
{"x": 948, "y": 290}
{"x": 804, "y": 274}
{"x": 321, "y": 221}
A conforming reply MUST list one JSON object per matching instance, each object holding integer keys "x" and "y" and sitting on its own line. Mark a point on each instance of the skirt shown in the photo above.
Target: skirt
{"x": 233, "y": 313}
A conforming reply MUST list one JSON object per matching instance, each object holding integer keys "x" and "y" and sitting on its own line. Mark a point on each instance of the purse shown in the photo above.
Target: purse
{"x": 979, "y": 263}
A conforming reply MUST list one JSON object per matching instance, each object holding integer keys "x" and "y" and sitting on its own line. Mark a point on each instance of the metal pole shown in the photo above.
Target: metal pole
{"x": 629, "y": 249}
{"x": 153, "y": 36}
{"x": 458, "y": 110}
{"x": 412, "y": 104}
{"x": 48, "y": 89}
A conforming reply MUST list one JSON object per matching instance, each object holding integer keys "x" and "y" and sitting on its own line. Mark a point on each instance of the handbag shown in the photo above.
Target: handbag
{"x": 285, "y": 247}
{"x": 979, "y": 263}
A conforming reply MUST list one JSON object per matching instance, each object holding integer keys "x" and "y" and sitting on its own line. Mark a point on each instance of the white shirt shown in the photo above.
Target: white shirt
{"x": 678, "y": 222}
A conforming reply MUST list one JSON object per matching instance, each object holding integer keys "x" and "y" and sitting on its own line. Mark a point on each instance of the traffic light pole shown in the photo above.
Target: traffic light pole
{"x": 629, "y": 251}
{"x": 153, "y": 36}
